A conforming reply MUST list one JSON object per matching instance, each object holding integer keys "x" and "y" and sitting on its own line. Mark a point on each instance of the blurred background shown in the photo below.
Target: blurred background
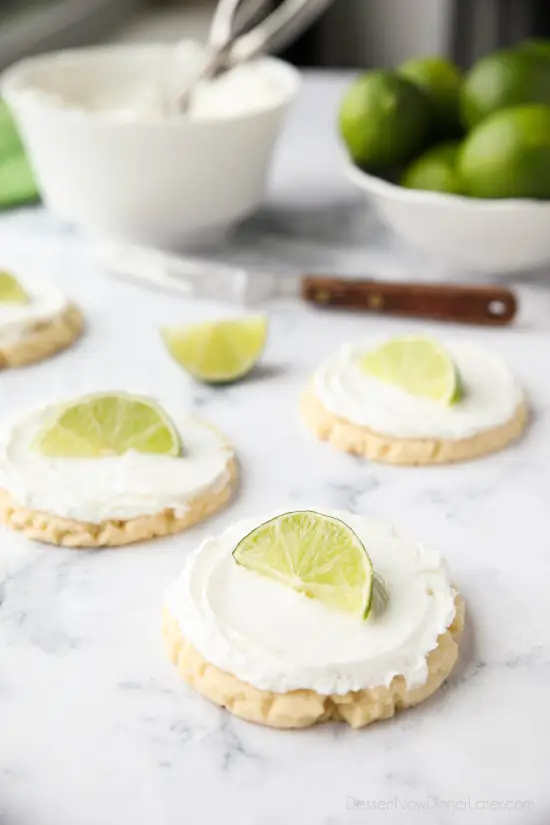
{"x": 352, "y": 33}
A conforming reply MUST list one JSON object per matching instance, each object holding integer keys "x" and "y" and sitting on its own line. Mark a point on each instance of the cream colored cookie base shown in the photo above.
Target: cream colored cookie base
{"x": 301, "y": 708}
{"x": 353, "y": 438}
{"x": 43, "y": 339}
{"x": 79, "y": 534}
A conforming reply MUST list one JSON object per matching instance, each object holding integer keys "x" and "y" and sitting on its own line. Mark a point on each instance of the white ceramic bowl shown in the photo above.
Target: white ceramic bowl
{"x": 465, "y": 234}
{"x": 166, "y": 181}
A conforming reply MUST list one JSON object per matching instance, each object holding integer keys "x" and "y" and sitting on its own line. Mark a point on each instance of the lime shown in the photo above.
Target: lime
{"x": 435, "y": 170}
{"x": 316, "y": 555}
{"x": 385, "y": 120}
{"x": 441, "y": 81}
{"x": 17, "y": 182}
{"x": 508, "y": 155}
{"x": 10, "y": 142}
{"x": 503, "y": 79}
{"x": 419, "y": 366}
{"x": 107, "y": 425}
{"x": 537, "y": 45}
{"x": 218, "y": 351}
{"x": 11, "y": 291}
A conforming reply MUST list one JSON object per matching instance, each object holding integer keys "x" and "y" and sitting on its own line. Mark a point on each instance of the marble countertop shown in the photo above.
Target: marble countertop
{"x": 96, "y": 727}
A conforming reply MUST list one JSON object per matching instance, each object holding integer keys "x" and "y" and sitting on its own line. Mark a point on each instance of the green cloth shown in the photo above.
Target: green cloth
{"x": 17, "y": 182}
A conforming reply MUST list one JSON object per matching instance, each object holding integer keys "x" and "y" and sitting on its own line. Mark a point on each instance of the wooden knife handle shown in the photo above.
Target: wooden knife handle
{"x": 468, "y": 304}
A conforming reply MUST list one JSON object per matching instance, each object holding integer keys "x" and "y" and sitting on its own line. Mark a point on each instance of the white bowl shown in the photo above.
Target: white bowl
{"x": 465, "y": 234}
{"x": 161, "y": 180}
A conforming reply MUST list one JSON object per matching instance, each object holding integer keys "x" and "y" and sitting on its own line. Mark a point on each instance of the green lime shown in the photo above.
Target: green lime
{"x": 17, "y": 181}
{"x": 107, "y": 425}
{"x": 385, "y": 120}
{"x": 10, "y": 142}
{"x": 218, "y": 351}
{"x": 435, "y": 170}
{"x": 504, "y": 79}
{"x": 11, "y": 291}
{"x": 508, "y": 155}
{"x": 419, "y": 366}
{"x": 316, "y": 555}
{"x": 537, "y": 45}
{"x": 441, "y": 81}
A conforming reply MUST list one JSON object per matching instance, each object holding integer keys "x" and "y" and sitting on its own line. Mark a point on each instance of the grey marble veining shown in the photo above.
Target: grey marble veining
{"x": 96, "y": 727}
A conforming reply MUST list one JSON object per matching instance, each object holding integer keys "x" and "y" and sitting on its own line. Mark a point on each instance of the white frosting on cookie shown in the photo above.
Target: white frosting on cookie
{"x": 491, "y": 395}
{"x": 118, "y": 487}
{"x": 46, "y": 302}
{"x": 277, "y": 639}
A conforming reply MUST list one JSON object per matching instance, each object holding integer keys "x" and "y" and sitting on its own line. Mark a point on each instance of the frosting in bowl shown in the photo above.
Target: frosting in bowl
{"x": 142, "y": 83}
{"x": 114, "y": 487}
{"x": 491, "y": 395}
{"x": 276, "y": 639}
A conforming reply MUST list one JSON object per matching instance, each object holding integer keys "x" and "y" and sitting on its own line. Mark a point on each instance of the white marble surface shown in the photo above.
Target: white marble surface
{"x": 95, "y": 726}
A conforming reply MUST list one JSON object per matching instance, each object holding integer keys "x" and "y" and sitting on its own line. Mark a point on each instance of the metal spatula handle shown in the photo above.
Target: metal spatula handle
{"x": 228, "y": 48}
{"x": 279, "y": 29}
{"x": 231, "y": 18}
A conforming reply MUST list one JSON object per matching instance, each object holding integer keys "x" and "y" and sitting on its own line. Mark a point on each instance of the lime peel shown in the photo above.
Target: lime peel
{"x": 107, "y": 424}
{"x": 316, "y": 555}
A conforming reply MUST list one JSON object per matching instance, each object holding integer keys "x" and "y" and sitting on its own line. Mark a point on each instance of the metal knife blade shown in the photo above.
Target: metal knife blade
{"x": 193, "y": 277}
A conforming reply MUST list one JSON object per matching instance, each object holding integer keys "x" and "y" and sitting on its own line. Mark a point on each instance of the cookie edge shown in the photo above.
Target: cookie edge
{"x": 50, "y": 529}
{"x": 302, "y": 708}
{"x": 44, "y": 339}
{"x": 358, "y": 440}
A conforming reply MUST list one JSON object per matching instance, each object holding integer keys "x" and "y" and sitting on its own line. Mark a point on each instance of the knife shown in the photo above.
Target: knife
{"x": 197, "y": 278}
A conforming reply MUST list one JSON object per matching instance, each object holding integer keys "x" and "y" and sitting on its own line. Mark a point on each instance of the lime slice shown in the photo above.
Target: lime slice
{"x": 11, "y": 291}
{"x": 418, "y": 366}
{"x": 220, "y": 351}
{"x": 107, "y": 425}
{"x": 314, "y": 554}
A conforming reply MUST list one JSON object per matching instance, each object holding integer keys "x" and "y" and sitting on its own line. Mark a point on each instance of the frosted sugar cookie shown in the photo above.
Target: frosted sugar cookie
{"x": 415, "y": 401}
{"x": 111, "y": 469}
{"x": 36, "y": 321}
{"x": 312, "y": 616}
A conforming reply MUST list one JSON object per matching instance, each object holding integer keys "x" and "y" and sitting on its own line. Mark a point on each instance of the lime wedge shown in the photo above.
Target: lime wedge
{"x": 220, "y": 351}
{"x": 107, "y": 425}
{"x": 314, "y": 554}
{"x": 418, "y": 366}
{"x": 11, "y": 291}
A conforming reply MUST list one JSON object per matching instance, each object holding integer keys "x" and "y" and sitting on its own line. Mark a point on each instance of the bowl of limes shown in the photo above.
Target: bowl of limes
{"x": 458, "y": 164}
